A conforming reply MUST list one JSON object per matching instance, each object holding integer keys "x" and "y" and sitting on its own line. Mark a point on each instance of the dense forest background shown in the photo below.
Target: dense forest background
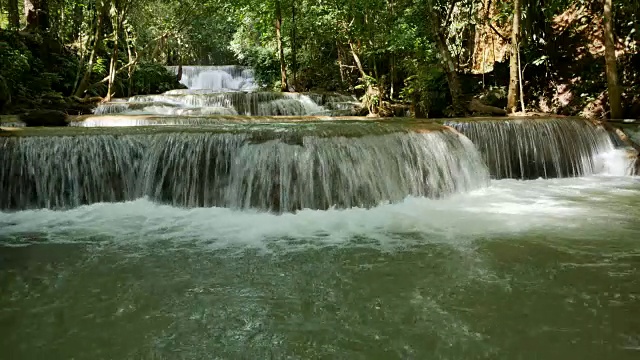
{"x": 437, "y": 57}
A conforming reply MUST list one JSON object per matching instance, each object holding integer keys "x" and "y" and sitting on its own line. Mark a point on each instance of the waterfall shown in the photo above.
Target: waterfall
{"x": 61, "y": 172}
{"x": 217, "y": 78}
{"x": 229, "y": 90}
{"x": 272, "y": 168}
{"x": 233, "y": 103}
{"x": 538, "y": 148}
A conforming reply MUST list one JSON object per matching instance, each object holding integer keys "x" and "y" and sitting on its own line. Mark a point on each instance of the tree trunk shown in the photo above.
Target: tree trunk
{"x": 341, "y": 65}
{"x": 284, "y": 87}
{"x": 446, "y": 60}
{"x": 452, "y": 76}
{"x": 30, "y": 13}
{"x": 37, "y": 14}
{"x": 78, "y": 18}
{"x": 114, "y": 57}
{"x": 85, "y": 82}
{"x": 392, "y": 70}
{"x": 356, "y": 58}
{"x": 43, "y": 15}
{"x": 294, "y": 62}
{"x": 512, "y": 95}
{"x": 156, "y": 51}
{"x": 521, "y": 89}
{"x": 477, "y": 107}
{"x": 14, "y": 15}
{"x": 130, "y": 69}
{"x": 613, "y": 85}
{"x": 371, "y": 94}
{"x": 83, "y": 50}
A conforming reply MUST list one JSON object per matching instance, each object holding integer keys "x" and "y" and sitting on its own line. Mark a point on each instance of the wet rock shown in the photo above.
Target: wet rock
{"x": 44, "y": 118}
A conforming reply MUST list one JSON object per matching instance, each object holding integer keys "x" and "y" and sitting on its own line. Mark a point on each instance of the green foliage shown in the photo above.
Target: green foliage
{"x": 395, "y": 41}
{"x": 263, "y": 59}
{"x": 427, "y": 91}
{"x": 15, "y": 62}
{"x": 152, "y": 78}
{"x": 101, "y": 66}
{"x": 33, "y": 67}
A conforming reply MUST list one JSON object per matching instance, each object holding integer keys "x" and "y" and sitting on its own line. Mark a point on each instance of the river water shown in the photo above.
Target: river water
{"x": 519, "y": 270}
{"x": 164, "y": 232}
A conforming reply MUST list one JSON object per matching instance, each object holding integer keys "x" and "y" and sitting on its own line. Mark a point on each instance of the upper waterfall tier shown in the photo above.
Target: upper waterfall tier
{"x": 274, "y": 167}
{"x": 229, "y": 90}
{"x": 217, "y": 78}
{"x": 206, "y": 102}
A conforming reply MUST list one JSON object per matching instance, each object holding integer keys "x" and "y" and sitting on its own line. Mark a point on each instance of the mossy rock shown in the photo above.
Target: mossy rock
{"x": 44, "y": 118}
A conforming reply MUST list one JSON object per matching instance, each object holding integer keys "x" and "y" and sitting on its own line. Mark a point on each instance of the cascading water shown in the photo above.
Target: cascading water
{"x": 219, "y": 78}
{"x": 543, "y": 148}
{"x": 58, "y": 172}
{"x": 178, "y": 102}
{"x": 266, "y": 168}
{"x": 229, "y": 90}
{"x": 557, "y": 257}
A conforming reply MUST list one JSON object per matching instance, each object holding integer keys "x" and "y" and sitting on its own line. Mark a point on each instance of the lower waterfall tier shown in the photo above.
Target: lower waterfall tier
{"x": 273, "y": 168}
{"x": 538, "y": 148}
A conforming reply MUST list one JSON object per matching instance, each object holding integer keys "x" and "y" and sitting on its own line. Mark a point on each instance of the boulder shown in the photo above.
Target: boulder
{"x": 44, "y": 118}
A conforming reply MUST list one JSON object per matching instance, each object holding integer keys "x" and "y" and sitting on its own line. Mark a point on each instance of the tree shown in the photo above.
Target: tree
{"x": 284, "y": 87}
{"x": 428, "y": 54}
{"x": 84, "y": 83}
{"x": 37, "y": 14}
{"x": 13, "y": 14}
{"x": 512, "y": 96}
{"x": 437, "y": 28}
{"x": 294, "y": 61}
{"x": 120, "y": 10}
{"x": 613, "y": 84}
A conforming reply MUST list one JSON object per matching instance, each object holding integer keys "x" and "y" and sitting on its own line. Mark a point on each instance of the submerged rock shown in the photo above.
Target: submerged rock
{"x": 44, "y": 118}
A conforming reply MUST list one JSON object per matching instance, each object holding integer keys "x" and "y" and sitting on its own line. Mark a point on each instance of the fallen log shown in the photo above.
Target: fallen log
{"x": 475, "y": 106}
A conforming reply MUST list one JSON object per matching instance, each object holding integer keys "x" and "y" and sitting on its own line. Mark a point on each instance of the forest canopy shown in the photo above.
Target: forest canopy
{"x": 438, "y": 57}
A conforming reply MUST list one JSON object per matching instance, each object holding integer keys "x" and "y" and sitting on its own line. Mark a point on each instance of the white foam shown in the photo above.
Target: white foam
{"x": 218, "y": 78}
{"x": 508, "y": 207}
{"x": 616, "y": 162}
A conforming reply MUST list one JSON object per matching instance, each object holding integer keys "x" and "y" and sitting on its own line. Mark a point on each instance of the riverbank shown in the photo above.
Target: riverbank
{"x": 39, "y": 72}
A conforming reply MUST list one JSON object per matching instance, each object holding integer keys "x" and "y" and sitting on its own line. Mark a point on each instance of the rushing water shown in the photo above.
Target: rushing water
{"x": 193, "y": 102}
{"x": 229, "y": 90}
{"x": 223, "y": 237}
{"x": 278, "y": 168}
{"x": 532, "y": 148}
{"x": 220, "y": 78}
{"x": 519, "y": 270}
